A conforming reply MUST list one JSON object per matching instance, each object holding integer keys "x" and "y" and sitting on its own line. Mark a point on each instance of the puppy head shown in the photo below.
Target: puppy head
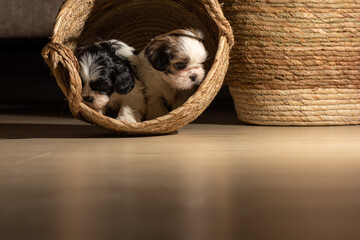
{"x": 180, "y": 55}
{"x": 104, "y": 71}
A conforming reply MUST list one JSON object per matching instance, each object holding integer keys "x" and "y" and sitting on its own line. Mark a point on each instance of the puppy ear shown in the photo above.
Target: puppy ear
{"x": 124, "y": 82}
{"x": 158, "y": 54}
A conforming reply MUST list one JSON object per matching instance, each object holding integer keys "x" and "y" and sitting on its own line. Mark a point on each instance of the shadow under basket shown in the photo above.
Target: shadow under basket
{"x": 136, "y": 23}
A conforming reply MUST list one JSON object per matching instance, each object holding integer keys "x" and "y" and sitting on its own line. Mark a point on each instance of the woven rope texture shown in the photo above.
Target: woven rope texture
{"x": 295, "y": 62}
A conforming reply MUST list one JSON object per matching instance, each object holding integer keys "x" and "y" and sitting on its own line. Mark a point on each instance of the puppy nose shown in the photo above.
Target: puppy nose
{"x": 193, "y": 77}
{"x": 88, "y": 99}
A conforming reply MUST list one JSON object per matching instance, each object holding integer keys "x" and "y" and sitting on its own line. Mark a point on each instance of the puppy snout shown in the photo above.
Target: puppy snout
{"x": 88, "y": 99}
{"x": 193, "y": 77}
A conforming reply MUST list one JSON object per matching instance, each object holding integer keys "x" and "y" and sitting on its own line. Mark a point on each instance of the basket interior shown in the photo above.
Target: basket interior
{"x": 134, "y": 22}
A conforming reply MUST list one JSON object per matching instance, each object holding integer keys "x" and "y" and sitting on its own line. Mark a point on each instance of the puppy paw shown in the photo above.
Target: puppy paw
{"x": 128, "y": 115}
{"x": 127, "y": 119}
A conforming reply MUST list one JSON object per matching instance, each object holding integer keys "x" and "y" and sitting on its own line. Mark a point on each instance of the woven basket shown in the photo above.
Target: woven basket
{"x": 135, "y": 22}
{"x": 295, "y": 62}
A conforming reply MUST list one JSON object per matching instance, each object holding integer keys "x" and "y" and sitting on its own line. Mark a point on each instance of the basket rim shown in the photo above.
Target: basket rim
{"x": 213, "y": 8}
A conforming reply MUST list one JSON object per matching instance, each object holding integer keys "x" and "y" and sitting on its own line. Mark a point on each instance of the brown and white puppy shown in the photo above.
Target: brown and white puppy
{"x": 171, "y": 68}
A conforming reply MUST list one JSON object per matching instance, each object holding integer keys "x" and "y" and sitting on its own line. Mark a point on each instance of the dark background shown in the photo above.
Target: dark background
{"x": 25, "y": 82}
{"x": 25, "y": 76}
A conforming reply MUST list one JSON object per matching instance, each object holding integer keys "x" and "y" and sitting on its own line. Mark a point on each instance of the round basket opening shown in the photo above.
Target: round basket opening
{"x": 136, "y": 22}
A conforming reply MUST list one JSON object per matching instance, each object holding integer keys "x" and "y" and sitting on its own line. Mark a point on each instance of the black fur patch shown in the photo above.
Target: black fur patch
{"x": 116, "y": 72}
{"x": 158, "y": 55}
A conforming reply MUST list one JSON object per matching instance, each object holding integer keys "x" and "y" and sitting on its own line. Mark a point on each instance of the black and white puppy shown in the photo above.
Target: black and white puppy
{"x": 109, "y": 81}
{"x": 171, "y": 67}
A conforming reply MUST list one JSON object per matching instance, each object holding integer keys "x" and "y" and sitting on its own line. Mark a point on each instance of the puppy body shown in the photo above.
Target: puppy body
{"x": 171, "y": 67}
{"x": 161, "y": 97}
{"x": 109, "y": 80}
{"x": 131, "y": 107}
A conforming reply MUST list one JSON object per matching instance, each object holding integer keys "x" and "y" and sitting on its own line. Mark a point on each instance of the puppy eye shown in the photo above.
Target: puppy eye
{"x": 180, "y": 65}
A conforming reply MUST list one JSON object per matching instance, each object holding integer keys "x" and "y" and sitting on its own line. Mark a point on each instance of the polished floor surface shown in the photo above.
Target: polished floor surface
{"x": 63, "y": 179}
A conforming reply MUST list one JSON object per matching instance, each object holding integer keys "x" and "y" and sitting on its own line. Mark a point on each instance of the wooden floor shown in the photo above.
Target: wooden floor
{"x": 62, "y": 179}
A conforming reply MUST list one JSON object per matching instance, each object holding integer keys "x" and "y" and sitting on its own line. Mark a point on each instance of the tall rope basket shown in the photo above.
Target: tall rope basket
{"x": 135, "y": 22}
{"x": 295, "y": 62}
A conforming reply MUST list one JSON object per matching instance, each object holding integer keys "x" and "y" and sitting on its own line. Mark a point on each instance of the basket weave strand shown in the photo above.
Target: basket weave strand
{"x": 61, "y": 57}
{"x": 81, "y": 22}
{"x": 295, "y": 62}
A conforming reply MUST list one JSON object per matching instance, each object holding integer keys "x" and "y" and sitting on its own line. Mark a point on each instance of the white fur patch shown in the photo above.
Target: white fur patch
{"x": 89, "y": 68}
{"x": 194, "y": 49}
